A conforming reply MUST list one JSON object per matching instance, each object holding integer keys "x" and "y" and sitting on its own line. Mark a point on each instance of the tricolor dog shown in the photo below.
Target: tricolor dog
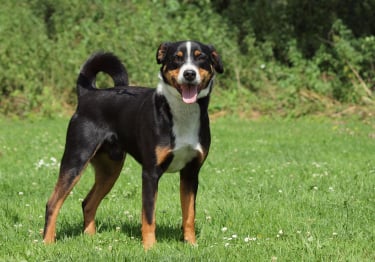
{"x": 166, "y": 129}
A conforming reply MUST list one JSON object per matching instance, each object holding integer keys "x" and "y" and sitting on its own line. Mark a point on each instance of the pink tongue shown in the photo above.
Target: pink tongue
{"x": 189, "y": 94}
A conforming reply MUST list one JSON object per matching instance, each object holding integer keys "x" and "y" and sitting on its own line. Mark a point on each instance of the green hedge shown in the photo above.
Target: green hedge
{"x": 44, "y": 43}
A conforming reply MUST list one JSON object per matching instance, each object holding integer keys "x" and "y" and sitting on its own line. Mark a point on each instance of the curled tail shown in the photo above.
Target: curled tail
{"x": 101, "y": 62}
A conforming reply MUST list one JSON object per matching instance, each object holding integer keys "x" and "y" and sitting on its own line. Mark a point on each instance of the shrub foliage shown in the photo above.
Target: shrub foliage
{"x": 287, "y": 54}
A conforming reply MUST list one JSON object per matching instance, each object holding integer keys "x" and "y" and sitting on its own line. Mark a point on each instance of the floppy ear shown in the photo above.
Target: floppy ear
{"x": 216, "y": 60}
{"x": 161, "y": 53}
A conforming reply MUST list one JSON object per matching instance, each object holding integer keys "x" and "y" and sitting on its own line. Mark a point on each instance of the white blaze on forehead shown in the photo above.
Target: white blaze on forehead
{"x": 188, "y": 51}
{"x": 188, "y": 66}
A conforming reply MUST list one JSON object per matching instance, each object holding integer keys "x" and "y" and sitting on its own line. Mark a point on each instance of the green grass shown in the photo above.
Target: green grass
{"x": 300, "y": 190}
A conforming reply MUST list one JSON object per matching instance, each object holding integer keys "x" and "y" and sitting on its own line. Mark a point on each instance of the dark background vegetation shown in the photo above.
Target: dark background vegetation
{"x": 285, "y": 57}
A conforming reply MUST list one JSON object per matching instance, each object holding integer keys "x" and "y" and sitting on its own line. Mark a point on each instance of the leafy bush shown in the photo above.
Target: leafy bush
{"x": 318, "y": 53}
{"x": 271, "y": 63}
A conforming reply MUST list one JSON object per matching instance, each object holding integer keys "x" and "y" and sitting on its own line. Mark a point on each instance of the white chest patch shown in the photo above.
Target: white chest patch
{"x": 186, "y": 124}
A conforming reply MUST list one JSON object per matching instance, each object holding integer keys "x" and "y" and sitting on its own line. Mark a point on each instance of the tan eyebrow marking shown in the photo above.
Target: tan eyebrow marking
{"x": 180, "y": 54}
{"x": 197, "y": 53}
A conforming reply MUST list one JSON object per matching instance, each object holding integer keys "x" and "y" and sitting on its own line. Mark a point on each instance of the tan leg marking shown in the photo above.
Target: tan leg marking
{"x": 188, "y": 214}
{"x": 106, "y": 173}
{"x": 148, "y": 230}
{"x": 55, "y": 202}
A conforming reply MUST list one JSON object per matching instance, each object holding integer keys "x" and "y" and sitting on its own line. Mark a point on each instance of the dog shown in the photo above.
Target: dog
{"x": 165, "y": 129}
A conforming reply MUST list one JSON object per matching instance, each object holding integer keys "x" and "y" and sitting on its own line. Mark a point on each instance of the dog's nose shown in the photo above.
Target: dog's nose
{"x": 190, "y": 75}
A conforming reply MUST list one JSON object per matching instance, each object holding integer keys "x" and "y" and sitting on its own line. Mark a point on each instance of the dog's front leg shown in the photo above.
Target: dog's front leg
{"x": 188, "y": 193}
{"x": 150, "y": 181}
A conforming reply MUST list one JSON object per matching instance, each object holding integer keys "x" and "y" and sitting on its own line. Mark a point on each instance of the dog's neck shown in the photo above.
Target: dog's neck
{"x": 186, "y": 117}
{"x": 180, "y": 110}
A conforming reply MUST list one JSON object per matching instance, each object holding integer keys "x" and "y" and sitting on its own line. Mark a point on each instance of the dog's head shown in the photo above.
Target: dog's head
{"x": 188, "y": 68}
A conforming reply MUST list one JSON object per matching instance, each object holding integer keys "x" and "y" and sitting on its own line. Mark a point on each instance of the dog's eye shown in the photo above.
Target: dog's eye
{"x": 202, "y": 57}
{"x": 178, "y": 59}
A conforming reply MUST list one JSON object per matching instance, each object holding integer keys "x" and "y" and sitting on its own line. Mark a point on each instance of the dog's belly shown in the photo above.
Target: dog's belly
{"x": 182, "y": 156}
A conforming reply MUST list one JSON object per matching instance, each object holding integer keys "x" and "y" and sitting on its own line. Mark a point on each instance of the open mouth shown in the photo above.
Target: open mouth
{"x": 189, "y": 93}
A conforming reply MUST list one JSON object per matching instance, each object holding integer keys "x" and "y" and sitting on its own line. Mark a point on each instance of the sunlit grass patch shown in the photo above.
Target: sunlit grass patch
{"x": 270, "y": 190}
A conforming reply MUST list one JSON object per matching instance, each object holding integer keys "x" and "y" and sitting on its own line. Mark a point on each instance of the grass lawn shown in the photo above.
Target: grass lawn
{"x": 271, "y": 190}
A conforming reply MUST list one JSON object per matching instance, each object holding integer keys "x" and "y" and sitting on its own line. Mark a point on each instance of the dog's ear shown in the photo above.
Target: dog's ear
{"x": 216, "y": 60}
{"x": 162, "y": 51}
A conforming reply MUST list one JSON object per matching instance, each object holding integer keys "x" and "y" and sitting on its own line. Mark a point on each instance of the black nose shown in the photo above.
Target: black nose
{"x": 189, "y": 75}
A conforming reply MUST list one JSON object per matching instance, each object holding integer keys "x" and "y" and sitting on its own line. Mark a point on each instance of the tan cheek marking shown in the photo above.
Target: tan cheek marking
{"x": 205, "y": 76}
{"x": 172, "y": 76}
{"x": 204, "y": 73}
{"x": 162, "y": 152}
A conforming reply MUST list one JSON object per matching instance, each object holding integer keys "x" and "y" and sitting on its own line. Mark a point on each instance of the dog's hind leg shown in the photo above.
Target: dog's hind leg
{"x": 67, "y": 179}
{"x": 106, "y": 173}
{"x": 79, "y": 150}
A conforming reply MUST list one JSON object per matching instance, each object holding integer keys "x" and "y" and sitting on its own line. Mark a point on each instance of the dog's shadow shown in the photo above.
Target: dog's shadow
{"x": 164, "y": 233}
